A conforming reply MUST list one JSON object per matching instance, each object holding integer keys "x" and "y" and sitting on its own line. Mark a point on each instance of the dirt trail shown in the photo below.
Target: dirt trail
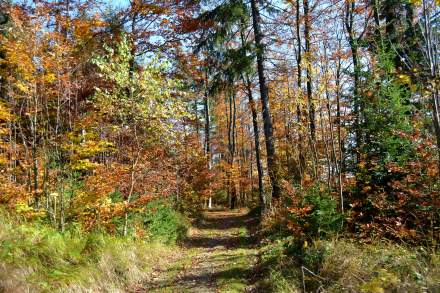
{"x": 218, "y": 256}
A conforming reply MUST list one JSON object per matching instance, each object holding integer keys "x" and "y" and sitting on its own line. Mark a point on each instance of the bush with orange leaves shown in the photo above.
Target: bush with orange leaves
{"x": 406, "y": 206}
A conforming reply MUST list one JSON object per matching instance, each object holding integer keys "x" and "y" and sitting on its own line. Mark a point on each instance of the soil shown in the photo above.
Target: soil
{"x": 219, "y": 255}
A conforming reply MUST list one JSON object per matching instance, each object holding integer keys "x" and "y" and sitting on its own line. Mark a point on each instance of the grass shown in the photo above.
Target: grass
{"x": 347, "y": 266}
{"x": 238, "y": 264}
{"x": 38, "y": 258}
{"x": 235, "y": 273}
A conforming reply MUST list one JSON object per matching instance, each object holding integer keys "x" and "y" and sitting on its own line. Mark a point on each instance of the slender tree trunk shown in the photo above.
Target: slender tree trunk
{"x": 311, "y": 105}
{"x": 257, "y": 144}
{"x": 207, "y": 132}
{"x": 132, "y": 181}
{"x": 287, "y": 135}
{"x": 327, "y": 149}
{"x": 339, "y": 130}
{"x": 301, "y": 157}
{"x": 334, "y": 159}
{"x": 436, "y": 120}
{"x": 264, "y": 95}
{"x": 307, "y": 52}
{"x": 130, "y": 193}
{"x": 62, "y": 212}
{"x": 256, "y": 131}
{"x": 431, "y": 48}
{"x": 196, "y": 112}
{"x": 34, "y": 130}
{"x": 349, "y": 14}
{"x": 231, "y": 145}
{"x": 251, "y": 174}
{"x": 132, "y": 61}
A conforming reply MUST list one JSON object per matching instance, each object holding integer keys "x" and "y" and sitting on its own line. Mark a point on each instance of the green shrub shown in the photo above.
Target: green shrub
{"x": 314, "y": 214}
{"x": 164, "y": 224}
{"x": 324, "y": 219}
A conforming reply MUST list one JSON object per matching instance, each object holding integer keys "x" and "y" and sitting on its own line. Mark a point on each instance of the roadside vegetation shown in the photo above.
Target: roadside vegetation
{"x": 344, "y": 265}
{"x": 37, "y": 257}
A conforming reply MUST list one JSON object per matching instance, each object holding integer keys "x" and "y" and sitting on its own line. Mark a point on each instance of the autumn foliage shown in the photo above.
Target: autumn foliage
{"x": 323, "y": 115}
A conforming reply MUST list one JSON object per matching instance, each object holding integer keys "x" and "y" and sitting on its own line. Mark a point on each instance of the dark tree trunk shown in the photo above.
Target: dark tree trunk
{"x": 232, "y": 135}
{"x": 339, "y": 130}
{"x": 207, "y": 130}
{"x": 264, "y": 95}
{"x": 257, "y": 144}
{"x": 196, "y": 112}
{"x": 301, "y": 158}
{"x": 349, "y": 11}
{"x": 207, "y": 123}
{"x": 309, "y": 71}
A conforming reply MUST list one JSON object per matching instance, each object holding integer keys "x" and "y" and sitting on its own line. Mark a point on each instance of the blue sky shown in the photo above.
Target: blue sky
{"x": 117, "y": 3}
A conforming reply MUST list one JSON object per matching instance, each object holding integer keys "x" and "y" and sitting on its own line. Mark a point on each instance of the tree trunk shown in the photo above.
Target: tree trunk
{"x": 311, "y": 105}
{"x": 62, "y": 213}
{"x": 431, "y": 47}
{"x": 339, "y": 130}
{"x": 307, "y": 52}
{"x": 132, "y": 181}
{"x": 207, "y": 132}
{"x": 264, "y": 96}
{"x": 257, "y": 144}
{"x": 349, "y": 11}
{"x": 301, "y": 157}
{"x": 231, "y": 146}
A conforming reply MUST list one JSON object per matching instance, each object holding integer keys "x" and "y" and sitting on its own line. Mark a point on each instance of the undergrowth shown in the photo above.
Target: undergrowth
{"x": 302, "y": 251}
{"x": 164, "y": 224}
{"x": 341, "y": 265}
{"x": 37, "y": 258}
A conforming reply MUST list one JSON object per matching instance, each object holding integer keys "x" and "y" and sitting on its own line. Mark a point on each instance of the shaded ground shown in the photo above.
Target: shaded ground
{"x": 218, "y": 256}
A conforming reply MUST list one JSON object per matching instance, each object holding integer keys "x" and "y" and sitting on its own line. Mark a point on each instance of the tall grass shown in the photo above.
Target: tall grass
{"x": 348, "y": 266}
{"x": 38, "y": 258}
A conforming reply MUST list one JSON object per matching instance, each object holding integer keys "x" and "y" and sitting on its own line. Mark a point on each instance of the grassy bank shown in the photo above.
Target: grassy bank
{"x": 347, "y": 266}
{"x": 38, "y": 258}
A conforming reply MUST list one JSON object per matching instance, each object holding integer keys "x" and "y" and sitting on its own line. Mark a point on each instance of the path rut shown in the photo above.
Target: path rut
{"x": 218, "y": 256}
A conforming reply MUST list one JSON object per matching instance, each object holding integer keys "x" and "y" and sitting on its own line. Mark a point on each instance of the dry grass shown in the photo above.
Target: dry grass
{"x": 37, "y": 258}
{"x": 379, "y": 267}
{"x": 347, "y": 266}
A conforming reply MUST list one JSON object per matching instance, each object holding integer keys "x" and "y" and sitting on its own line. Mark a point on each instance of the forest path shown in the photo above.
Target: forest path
{"x": 218, "y": 256}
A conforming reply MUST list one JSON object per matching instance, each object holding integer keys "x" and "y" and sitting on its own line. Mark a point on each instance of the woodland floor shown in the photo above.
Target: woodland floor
{"x": 218, "y": 256}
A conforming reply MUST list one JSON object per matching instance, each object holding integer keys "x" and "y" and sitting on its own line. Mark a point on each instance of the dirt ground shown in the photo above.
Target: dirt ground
{"x": 218, "y": 256}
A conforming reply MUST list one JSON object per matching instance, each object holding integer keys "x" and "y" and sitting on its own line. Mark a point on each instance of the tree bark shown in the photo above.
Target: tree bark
{"x": 307, "y": 52}
{"x": 349, "y": 11}
{"x": 339, "y": 130}
{"x": 301, "y": 158}
{"x": 431, "y": 47}
{"x": 207, "y": 132}
{"x": 231, "y": 146}
{"x": 264, "y": 96}
{"x": 257, "y": 144}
